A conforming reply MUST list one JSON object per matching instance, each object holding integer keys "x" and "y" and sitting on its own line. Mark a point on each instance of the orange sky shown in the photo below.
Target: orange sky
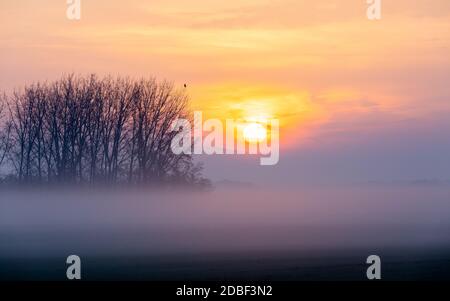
{"x": 320, "y": 67}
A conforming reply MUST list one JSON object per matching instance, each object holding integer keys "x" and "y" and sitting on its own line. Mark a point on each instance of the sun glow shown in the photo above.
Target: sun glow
{"x": 255, "y": 132}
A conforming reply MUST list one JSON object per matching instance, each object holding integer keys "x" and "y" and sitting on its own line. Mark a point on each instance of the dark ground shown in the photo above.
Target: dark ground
{"x": 275, "y": 266}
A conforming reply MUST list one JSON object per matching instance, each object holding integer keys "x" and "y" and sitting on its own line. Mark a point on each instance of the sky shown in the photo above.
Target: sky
{"x": 358, "y": 100}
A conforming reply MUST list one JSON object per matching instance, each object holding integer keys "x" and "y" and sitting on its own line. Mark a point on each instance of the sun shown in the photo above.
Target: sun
{"x": 255, "y": 132}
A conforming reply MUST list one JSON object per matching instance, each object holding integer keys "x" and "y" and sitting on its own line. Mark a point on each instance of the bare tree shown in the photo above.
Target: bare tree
{"x": 5, "y": 131}
{"x": 85, "y": 129}
{"x": 156, "y": 106}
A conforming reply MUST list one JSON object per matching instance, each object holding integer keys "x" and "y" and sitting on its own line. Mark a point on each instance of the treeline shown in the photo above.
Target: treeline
{"x": 92, "y": 130}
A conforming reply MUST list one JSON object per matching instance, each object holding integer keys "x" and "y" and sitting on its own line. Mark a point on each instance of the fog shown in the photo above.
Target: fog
{"x": 40, "y": 223}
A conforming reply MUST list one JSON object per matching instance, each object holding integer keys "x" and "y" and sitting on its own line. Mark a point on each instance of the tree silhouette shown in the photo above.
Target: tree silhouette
{"x": 96, "y": 130}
